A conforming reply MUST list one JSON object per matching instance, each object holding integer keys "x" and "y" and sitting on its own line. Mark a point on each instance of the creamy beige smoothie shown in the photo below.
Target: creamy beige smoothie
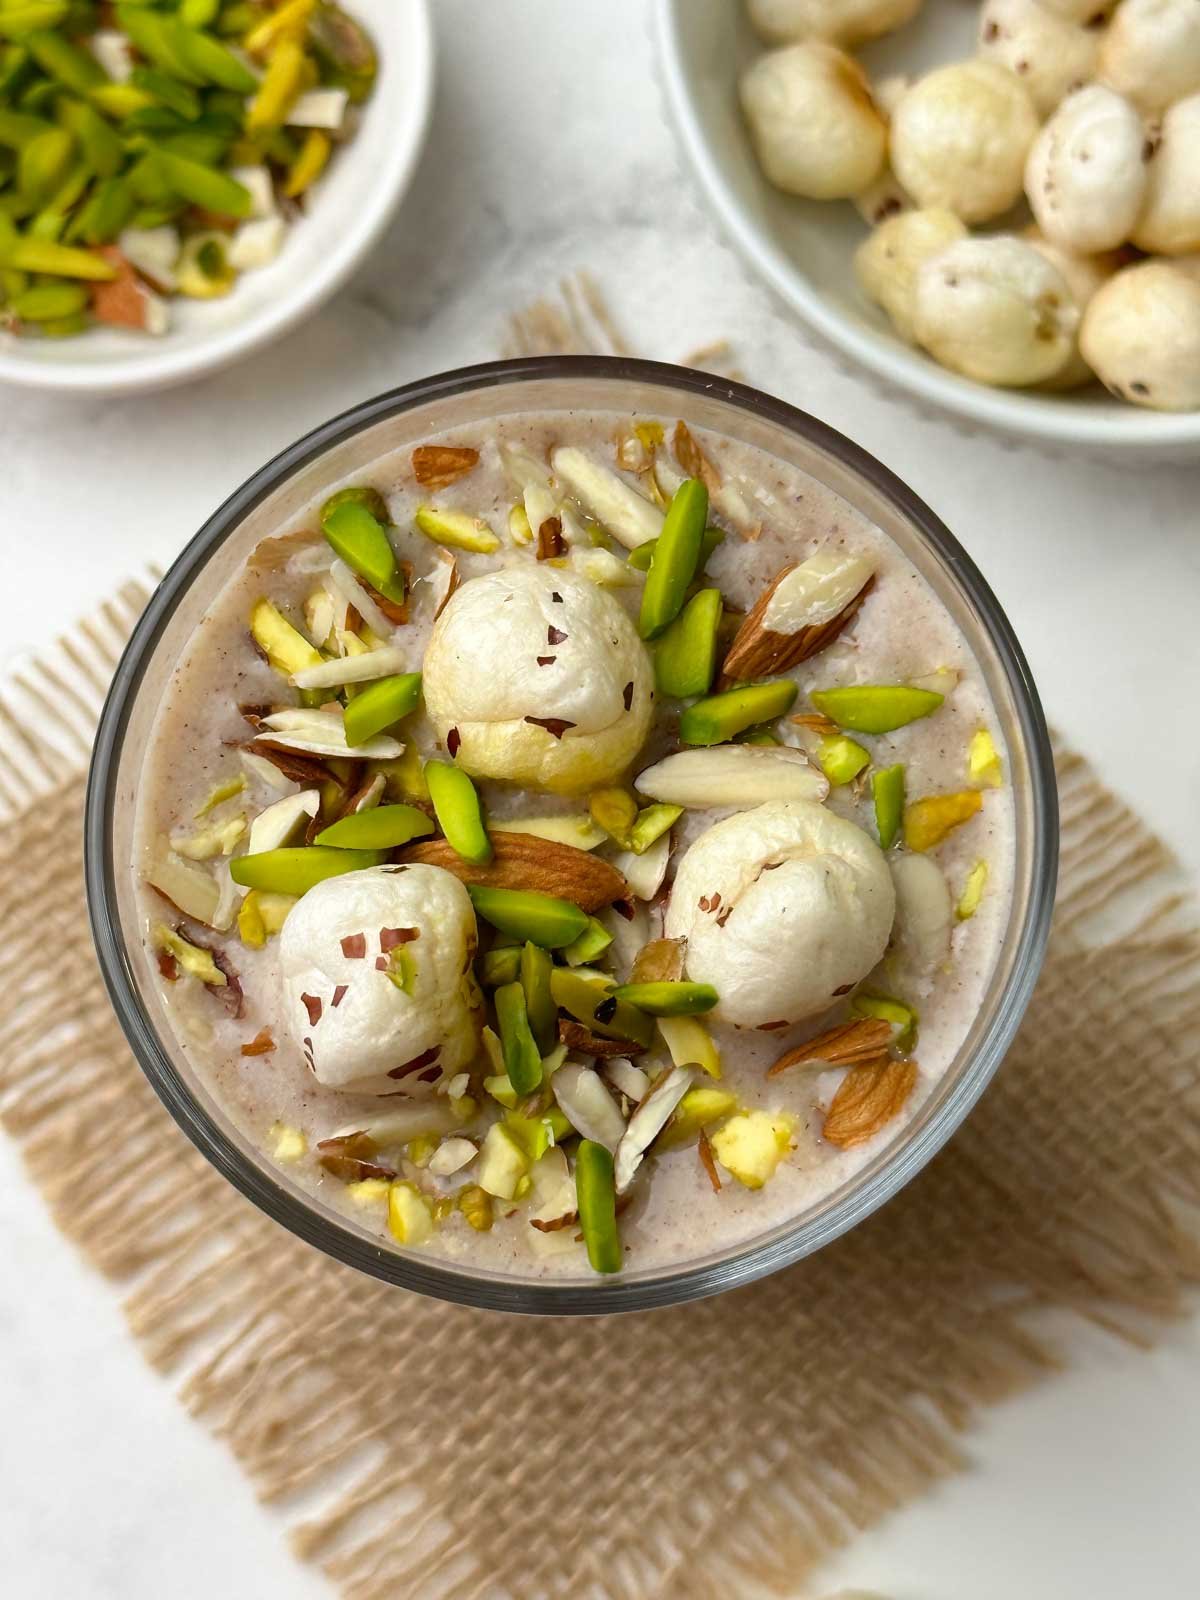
{"x": 646, "y": 917}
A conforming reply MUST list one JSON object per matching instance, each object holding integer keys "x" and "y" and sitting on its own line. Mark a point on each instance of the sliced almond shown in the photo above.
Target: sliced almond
{"x": 435, "y": 466}
{"x": 660, "y": 961}
{"x": 524, "y": 861}
{"x": 275, "y": 825}
{"x": 868, "y": 1097}
{"x": 802, "y": 611}
{"x": 864, "y": 1039}
{"x": 452, "y": 1155}
{"x": 692, "y": 459}
{"x": 648, "y": 1121}
{"x": 732, "y": 775}
{"x": 644, "y": 874}
{"x": 321, "y": 732}
{"x": 627, "y": 515}
{"x": 584, "y": 1098}
{"x": 584, "y": 1042}
{"x": 381, "y": 663}
{"x": 631, "y": 1081}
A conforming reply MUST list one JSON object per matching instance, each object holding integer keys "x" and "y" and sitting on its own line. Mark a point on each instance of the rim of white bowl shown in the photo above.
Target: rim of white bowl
{"x": 1016, "y": 413}
{"x": 159, "y": 368}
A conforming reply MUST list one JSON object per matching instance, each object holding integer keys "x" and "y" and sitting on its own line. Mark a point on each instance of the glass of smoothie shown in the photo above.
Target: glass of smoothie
{"x": 571, "y": 835}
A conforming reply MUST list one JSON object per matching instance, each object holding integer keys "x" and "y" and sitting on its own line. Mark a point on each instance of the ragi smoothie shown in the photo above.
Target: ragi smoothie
{"x": 575, "y": 846}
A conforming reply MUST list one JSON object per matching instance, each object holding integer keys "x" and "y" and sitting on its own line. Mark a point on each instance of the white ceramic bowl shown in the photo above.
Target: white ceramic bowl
{"x": 802, "y": 249}
{"x": 348, "y": 211}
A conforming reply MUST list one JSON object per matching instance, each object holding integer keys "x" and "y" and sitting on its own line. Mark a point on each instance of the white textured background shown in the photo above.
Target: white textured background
{"x": 548, "y": 153}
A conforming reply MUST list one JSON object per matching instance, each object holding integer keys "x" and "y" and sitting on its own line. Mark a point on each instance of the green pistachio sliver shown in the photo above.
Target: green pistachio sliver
{"x": 46, "y": 302}
{"x": 500, "y": 965}
{"x": 194, "y": 960}
{"x": 59, "y": 260}
{"x": 542, "y": 919}
{"x": 875, "y": 707}
{"x": 19, "y": 20}
{"x": 156, "y": 37}
{"x": 43, "y": 165}
{"x": 887, "y": 792}
{"x": 17, "y": 129}
{"x": 840, "y": 759}
{"x": 591, "y": 1002}
{"x": 98, "y": 143}
{"x": 535, "y": 969}
{"x": 676, "y": 557}
{"x": 668, "y": 999}
{"x": 363, "y": 544}
{"x": 199, "y": 13}
{"x": 214, "y": 62}
{"x": 592, "y": 942}
{"x": 641, "y": 557}
{"x": 343, "y": 50}
{"x": 902, "y": 1017}
{"x": 381, "y": 705}
{"x": 596, "y": 1199}
{"x": 459, "y": 813}
{"x": 652, "y": 822}
{"x": 759, "y": 736}
{"x": 456, "y": 530}
{"x": 204, "y": 186}
{"x": 67, "y": 62}
{"x": 720, "y": 716}
{"x": 297, "y": 870}
{"x": 359, "y": 494}
{"x": 381, "y": 828}
{"x": 522, "y": 1059}
{"x": 685, "y": 656}
{"x": 615, "y": 810}
{"x": 179, "y": 97}
{"x": 105, "y": 213}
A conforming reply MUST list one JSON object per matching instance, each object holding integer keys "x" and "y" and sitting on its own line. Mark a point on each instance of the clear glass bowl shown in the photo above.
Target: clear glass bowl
{"x": 349, "y": 444}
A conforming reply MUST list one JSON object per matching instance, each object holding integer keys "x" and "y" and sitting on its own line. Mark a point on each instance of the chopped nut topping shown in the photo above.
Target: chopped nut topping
{"x": 868, "y": 1097}
{"x": 261, "y": 1045}
{"x": 864, "y": 1040}
{"x": 550, "y": 541}
{"x": 436, "y": 466}
{"x": 708, "y": 1161}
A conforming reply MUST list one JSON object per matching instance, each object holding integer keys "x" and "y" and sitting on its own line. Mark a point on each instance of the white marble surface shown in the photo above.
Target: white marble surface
{"x": 548, "y": 153}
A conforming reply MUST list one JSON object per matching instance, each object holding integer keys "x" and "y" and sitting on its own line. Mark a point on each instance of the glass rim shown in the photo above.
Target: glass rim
{"x": 551, "y": 1296}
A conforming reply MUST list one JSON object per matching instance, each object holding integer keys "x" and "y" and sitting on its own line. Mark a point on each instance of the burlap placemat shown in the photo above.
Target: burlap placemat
{"x": 431, "y": 1450}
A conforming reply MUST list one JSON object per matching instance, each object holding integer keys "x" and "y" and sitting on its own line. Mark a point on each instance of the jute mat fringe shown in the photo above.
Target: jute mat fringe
{"x": 426, "y": 1450}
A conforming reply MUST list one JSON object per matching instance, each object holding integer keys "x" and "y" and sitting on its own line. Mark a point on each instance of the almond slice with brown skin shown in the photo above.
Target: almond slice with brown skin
{"x": 868, "y": 1097}
{"x": 586, "y": 1043}
{"x": 865, "y": 1039}
{"x": 756, "y": 652}
{"x": 692, "y": 459}
{"x": 436, "y": 466}
{"x": 523, "y": 861}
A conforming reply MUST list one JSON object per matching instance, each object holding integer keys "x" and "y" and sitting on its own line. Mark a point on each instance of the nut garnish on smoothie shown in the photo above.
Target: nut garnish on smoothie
{"x": 558, "y": 840}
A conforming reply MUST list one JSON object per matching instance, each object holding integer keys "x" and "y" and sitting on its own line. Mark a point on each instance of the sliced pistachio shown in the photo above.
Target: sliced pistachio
{"x": 251, "y": 928}
{"x": 577, "y": 829}
{"x": 410, "y": 1220}
{"x": 685, "y": 658}
{"x": 596, "y": 1201}
{"x": 641, "y": 557}
{"x": 875, "y": 707}
{"x": 361, "y": 541}
{"x": 381, "y": 705}
{"x": 543, "y": 919}
{"x": 502, "y": 1163}
{"x": 537, "y": 1134}
{"x": 457, "y": 530}
{"x": 840, "y": 759}
{"x": 972, "y": 892}
{"x": 219, "y": 795}
{"x": 716, "y": 719}
{"x": 519, "y": 529}
{"x": 287, "y": 1143}
{"x": 296, "y": 871}
{"x": 698, "y": 1109}
{"x": 668, "y": 999}
{"x": 652, "y": 822}
{"x": 285, "y": 647}
{"x": 381, "y": 828}
{"x": 927, "y": 821}
{"x": 195, "y": 962}
{"x": 591, "y": 1001}
{"x": 887, "y": 792}
{"x": 690, "y": 1044}
{"x": 752, "y": 1144}
{"x": 475, "y": 1203}
{"x": 459, "y": 813}
{"x": 676, "y": 557}
{"x": 500, "y": 965}
{"x": 540, "y": 1008}
{"x": 985, "y": 770}
{"x": 615, "y": 810}
{"x": 592, "y": 942}
{"x": 902, "y": 1017}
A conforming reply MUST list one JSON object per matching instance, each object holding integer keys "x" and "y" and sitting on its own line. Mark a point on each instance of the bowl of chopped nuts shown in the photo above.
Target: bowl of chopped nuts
{"x": 987, "y": 208}
{"x": 179, "y": 189}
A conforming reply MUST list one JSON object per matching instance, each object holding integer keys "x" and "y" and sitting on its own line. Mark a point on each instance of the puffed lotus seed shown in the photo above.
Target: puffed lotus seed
{"x": 844, "y": 22}
{"x": 1086, "y": 173}
{"x": 995, "y": 310}
{"x": 960, "y": 136}
{"x": 1170, "y": 221}
{"x": 1141, "y": 336}
{"x": 1151, "y": 52}
{"x": 1084, "y": 275}
{"x": 1049, "y": 54}
{"x": 887, "y": 262}
{"x": 816, "y": 129}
